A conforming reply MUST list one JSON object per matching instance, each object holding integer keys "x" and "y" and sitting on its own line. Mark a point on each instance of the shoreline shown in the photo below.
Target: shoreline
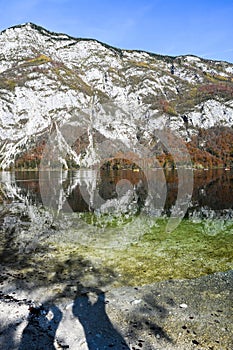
{"x": 174, "y": 314}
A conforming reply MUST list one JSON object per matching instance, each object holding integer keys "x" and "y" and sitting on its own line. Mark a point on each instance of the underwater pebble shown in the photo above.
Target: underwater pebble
{"x": 183, "y": 306}
{"x": 136, "y": 301}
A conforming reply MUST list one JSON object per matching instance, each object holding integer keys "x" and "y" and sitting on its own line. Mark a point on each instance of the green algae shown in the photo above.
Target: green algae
{"x": 188, "y": 252}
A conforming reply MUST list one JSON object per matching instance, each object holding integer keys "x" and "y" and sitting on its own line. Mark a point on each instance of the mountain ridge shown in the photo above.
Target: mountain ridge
{"x": 49, "y": 32}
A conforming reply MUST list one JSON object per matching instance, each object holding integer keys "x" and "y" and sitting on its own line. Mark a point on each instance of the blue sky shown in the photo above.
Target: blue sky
{"x": 199, "y": 27}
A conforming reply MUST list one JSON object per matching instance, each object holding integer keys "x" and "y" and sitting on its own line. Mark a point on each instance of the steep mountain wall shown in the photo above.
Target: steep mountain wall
{"x": 48, "y": 80}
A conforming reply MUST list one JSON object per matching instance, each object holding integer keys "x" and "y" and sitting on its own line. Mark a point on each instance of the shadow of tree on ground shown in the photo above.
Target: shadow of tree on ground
{"x": 40, "y": 331}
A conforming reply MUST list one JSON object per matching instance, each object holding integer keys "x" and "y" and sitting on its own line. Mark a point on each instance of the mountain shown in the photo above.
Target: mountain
{"x": 116, "y": 97}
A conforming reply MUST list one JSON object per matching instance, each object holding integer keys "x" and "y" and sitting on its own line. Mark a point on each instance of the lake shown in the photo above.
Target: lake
{"x": 115, "y": 227}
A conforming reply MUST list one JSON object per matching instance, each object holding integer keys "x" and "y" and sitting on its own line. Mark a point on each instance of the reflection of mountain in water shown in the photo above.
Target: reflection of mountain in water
{"x": 215, "y": 189}
{"x": 87, "y": 190}
{"x": 212, "y": 190}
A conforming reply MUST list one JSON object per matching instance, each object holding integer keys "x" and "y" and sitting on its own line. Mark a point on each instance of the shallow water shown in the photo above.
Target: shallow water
{"x": 109, "y": 228}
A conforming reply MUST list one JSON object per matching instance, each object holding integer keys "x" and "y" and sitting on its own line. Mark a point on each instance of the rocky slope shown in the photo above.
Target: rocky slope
{"x": 49, "y": 80}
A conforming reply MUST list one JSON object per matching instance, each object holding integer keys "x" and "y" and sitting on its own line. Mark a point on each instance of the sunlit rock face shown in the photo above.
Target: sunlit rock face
{"x": 48, "y": 80}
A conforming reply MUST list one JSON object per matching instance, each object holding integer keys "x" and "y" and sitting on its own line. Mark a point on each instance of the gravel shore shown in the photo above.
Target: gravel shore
{"x": 174, "y": 314}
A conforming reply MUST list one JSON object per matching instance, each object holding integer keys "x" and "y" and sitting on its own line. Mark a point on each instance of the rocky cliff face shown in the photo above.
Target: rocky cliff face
{"x": 48, "y": 79}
